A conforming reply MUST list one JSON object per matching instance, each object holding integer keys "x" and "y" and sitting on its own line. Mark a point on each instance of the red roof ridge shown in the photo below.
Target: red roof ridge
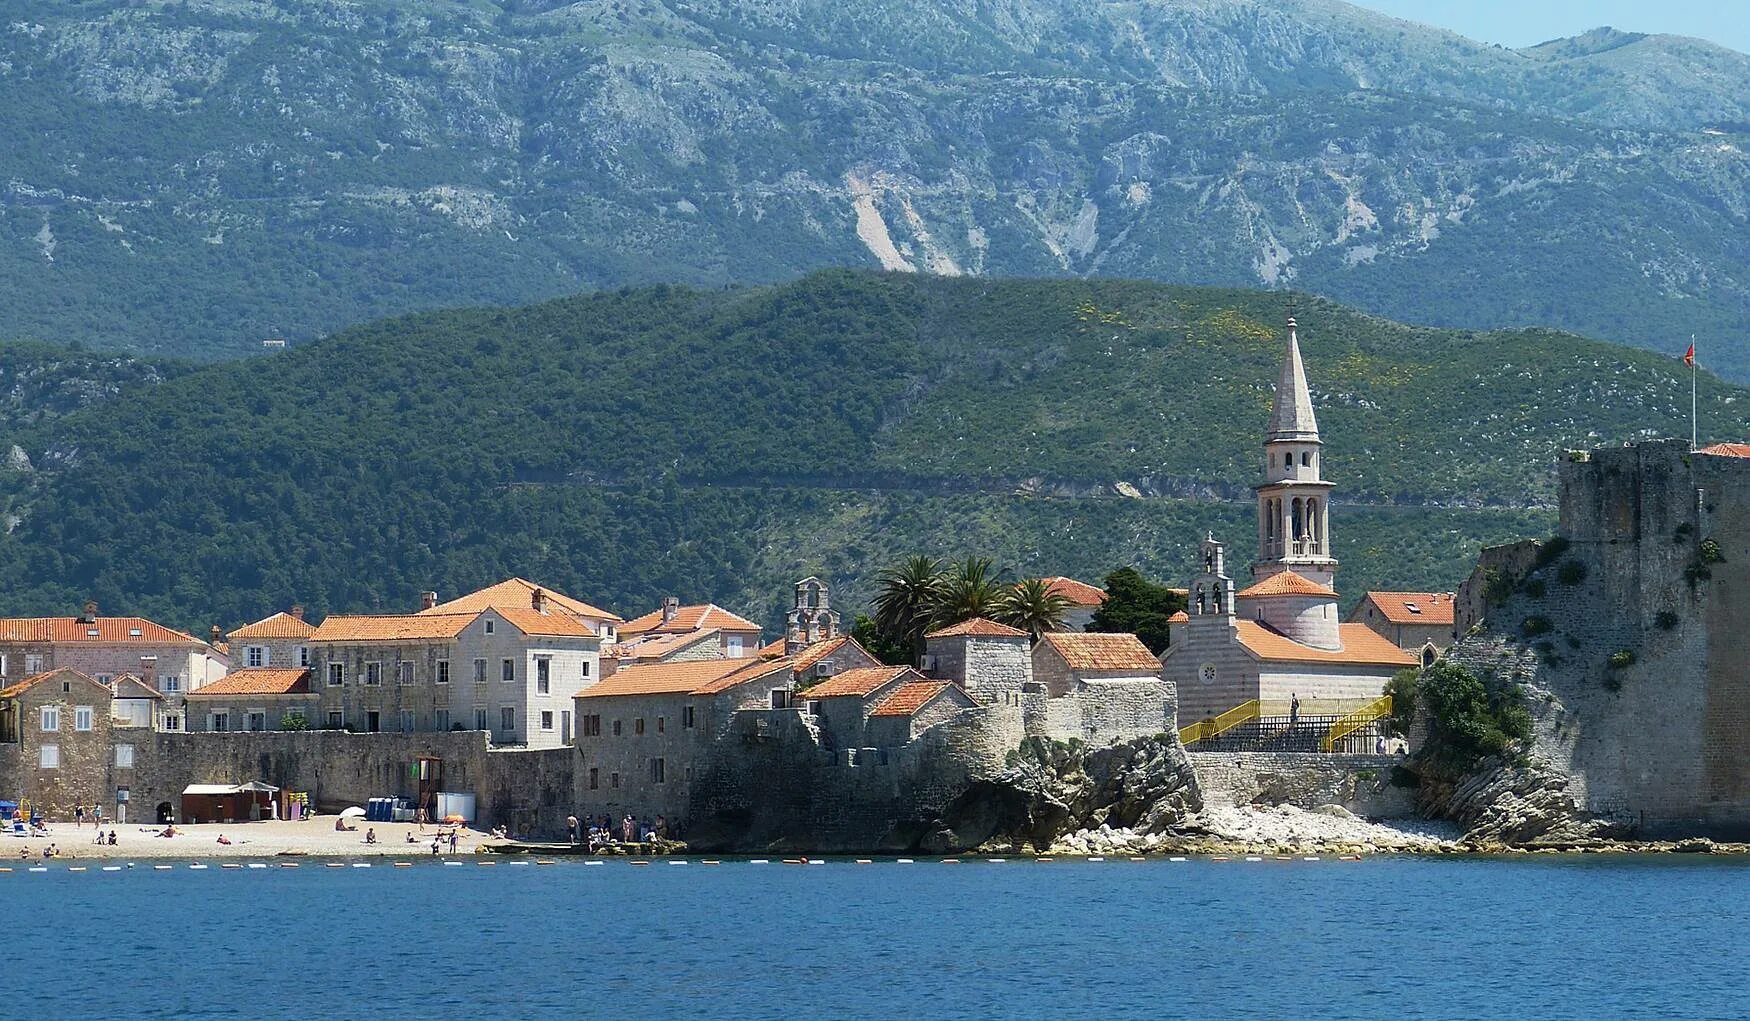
{"x": 909, "y": 698}
{"x": 979, "y": 627}
{"x": 1286, "y": 583}
{"x": 1078, "y": 592}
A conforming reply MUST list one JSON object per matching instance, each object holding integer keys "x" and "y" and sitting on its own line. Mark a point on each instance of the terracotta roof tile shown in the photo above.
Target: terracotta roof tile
{"x": 1180, "y": 617}
{"x": 820, "y": 650}
{"x": 688, "y": 618}
{"x": 1078, "y": 592}
{"x": 772, "y": 650}
{"x": 1286, "y": 583}
{"x": 552, "y": 624}
{"x": 265, "y": 680}
{"x": 35, "y": 679}
{"x": 1413, "y": 607}
{"x": 978, "y": 627}
{"x": 703, "y": 677}
{"x": 1362, "y": 646}
{"x": 1093, "y": 651}
{"x": 907, "y": 699}
{"x": 102, "y": 631}
{"x": 407, "y": 627}
{"x": 280, "y": 625}
{"x": 518, "y": 592}
{"x": 857, "y": 682}
{"x": 1727, "y": 450}
{"x": 654, "y": 647}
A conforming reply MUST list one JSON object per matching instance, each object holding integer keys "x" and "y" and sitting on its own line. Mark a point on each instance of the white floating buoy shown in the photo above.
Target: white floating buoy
{"x": 1253, "y": 857}
{"x": 197, "y": 866}
{"x": 996, "y": 861}
{"x": 1096, "y": 858}
{"x": 586, "y": 863}
{"x": 1177, "y": 858}
{"x": 75, "y": 868}
{"x": 361, "y": 864}
{"x": 39, "y": 868}
{"x": 257, "y": 865}
{"x": 112, "y": 868}
{"x": 1310, "y": 857}
{"x": 677, "y": 863}
{"x": 816, "y": 861}
{"x": 163, "y": 868}
{"x": 760, "y": 861}
{"x": 455, "y": 863}
{"x": 902, "y": 861}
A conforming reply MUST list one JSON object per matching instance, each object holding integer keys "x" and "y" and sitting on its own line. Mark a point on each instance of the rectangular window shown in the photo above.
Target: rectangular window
{"x": 616, "y": 728}
{"x": 543, "y": 676}
{"x": 687, "y": 717}
{"x": 507, "y": 670}
{"x": 441, "y": 721}
{"x": 303, "y": 655}
{"x": 594, "y": 778}
{"x": 614, "y": 780}
{"x": 638, "y": 725}
{"x": 257, "y": 720}
{"x": 480, "y": 673}
{"x": 373, "y": 673}
{"x": 124, "y": 756}
{"x": 732, "y": 647}
{"x": 373, "y": 721}
{"x": 336, "y": 674}
{"x": 255, "y": 655}
{"x": 656, "y": 769}
{"x": 480, "y": 719}
{"x": 337, "y": 720}
{"x": 507, "y": 719}
{"x": 586, "y": 668}
{"x": 49, "y": 756}
{"x": 51, "y": 718}
{"x": 172, "y": 721}
{"x": 565, "y": 725}
{"x": 33, "y": 663}
{"x": 218, "y": 723}
{"x": 82, "y": 717}
{"x": 170, "y": 684}
{"x": 104, "y": 679}
{"x": 489, "y": 627}
{"x": 443, "y": 671}
{"x": 409, "y": 721}
{"x": 659, "y": 723}
{"x": 595, "y": 725}
{"x": 546, "y": 719}
{"x": 405, "y": 671}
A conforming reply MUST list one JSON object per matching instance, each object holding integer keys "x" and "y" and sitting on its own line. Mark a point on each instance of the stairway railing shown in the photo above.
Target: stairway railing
{"x": 1203, "y": 730}
{"x": 1349, "y": 724}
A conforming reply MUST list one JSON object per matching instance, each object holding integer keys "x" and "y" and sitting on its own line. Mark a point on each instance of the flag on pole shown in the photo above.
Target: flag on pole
{"x": 1689, "y": 355}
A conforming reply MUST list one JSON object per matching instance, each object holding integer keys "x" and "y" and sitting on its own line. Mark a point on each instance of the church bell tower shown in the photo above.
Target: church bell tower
{"x": 1294, "y": 528}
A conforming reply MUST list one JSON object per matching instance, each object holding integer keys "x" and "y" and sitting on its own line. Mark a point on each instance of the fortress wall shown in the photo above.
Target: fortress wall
{"x": 1359, "y": 783}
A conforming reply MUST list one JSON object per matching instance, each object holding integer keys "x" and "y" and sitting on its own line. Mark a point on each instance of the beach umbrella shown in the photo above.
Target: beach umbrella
{"x": 453, "y": 818}
{"x": 354, "y": 812}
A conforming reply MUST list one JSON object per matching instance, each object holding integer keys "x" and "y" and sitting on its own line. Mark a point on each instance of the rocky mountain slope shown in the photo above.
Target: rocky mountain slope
{"x": 194, "y": 177}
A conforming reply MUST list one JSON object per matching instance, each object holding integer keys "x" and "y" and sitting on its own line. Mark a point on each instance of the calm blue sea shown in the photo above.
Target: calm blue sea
{"x": 1390, "y": 938}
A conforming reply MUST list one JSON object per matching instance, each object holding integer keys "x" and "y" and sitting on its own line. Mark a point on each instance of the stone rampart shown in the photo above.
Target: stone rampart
{"x": 1360, "y": 783}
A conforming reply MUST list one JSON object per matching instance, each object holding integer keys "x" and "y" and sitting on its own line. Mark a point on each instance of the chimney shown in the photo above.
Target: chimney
{"x": 90, "y": 612}
{"x": 149, "y": 670}
{"x": 538, "y": 600}
{"x": 670, "y": 605}
{"x": 610, "y": 666}
{"x": 297, "y": 611}
{"x": 427, "y": 600}
{"x": 217, "y": 636}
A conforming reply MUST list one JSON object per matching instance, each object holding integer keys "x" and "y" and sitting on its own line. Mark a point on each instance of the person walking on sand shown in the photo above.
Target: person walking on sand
{"x": 97, "y": 814}
{"x": 78, "y": 816}
{"x": 455, "y": 838}
{"x": 571, "y": 829}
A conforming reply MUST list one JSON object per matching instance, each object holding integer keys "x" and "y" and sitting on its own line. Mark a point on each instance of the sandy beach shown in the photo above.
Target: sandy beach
{"x": 315, "y": 837}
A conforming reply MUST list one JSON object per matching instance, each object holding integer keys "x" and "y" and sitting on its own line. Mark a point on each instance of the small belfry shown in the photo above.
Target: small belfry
{"x": 1294, "y": 527}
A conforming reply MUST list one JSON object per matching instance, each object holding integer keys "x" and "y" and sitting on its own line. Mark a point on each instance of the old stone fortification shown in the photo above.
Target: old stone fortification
{"x": 1626, "y": 633}
{"x": 1360, "y": 783}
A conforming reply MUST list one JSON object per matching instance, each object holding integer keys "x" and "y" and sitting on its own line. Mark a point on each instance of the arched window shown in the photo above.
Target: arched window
{"x": 1429, "y": 655}
{"x": 1288, "y": 459}
{"x": 1306, "y": 459}
{"x": 1298, "y": 529}
{"x": 1216, "y": 603}
{"x": 1200, "y": 603}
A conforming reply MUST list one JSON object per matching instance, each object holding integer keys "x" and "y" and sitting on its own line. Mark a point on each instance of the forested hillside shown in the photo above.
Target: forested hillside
{"x": 193, "y": 176}
{"x": 719, "y": 444}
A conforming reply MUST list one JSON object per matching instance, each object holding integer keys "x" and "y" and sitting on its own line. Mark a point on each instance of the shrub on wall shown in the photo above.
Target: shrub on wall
{"x": 1622, "y": 658}
{"x": 1533, "y": 587}
{"x": 1467, "y": 719}
{"x": 294, "y": 720}
{"x": 1666, "y": 620}
{"x": 1535, "y": 625}
{"x": 1572, "y": 572}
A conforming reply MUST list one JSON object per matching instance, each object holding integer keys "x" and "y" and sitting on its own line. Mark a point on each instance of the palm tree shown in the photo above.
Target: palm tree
{"x": 969, "y": 589}
{"x": 1031, "y": 606}
{"x": 906, "y": 601}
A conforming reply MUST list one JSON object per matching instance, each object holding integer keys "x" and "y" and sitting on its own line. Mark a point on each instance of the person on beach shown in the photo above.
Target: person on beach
{"x": 434, "y": 845}
{"x": 371, "y": 835}
{"x": 78, "y": 816}
{"x": 112, "y": 838}
{"x": 419, "y": 817}
{"x": 454, "y": 837}
{"x": 224, "y": 840}
{"x": 97, "y": 814}
{"x": 571, "y": 829}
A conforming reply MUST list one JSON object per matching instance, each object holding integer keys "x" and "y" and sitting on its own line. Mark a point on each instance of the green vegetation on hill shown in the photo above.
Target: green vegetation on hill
{"x": 628, "y": 445}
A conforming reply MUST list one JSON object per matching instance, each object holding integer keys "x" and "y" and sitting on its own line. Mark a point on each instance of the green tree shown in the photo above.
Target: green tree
{"x": 868, "y": 634}
{"x": 971, "y": 588}
{"x": 1031, "y": 606}
{"x": 1466, "y": 720}
{"x": 905, "y": 602}
{"x": 1137, "y": 606}
{"x": 293, "y": 719}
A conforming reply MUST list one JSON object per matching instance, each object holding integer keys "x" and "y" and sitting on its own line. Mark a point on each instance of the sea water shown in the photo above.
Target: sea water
{"x": 1585, "y": 937}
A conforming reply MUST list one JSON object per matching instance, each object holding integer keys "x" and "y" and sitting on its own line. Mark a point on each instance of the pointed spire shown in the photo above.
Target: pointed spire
{"x": 1291, "y": 417}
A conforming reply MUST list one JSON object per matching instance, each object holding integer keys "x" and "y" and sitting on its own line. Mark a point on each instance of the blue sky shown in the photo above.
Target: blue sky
{"x": 1526, "y": 22}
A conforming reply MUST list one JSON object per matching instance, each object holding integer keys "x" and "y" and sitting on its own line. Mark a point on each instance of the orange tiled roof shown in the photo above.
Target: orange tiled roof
{"x": 688, "y": 618}
{"x": 1286, "y": 583}
{"x": 1362, "y": 646}
{"x": 1093, "y": 651}
{"x": 1078, "y": 592}
{"x": 858, "y": 682}
{"x": 35, "y": 679}
{"x": 1727, "y": 450}
{"x": 552, "y": 624}
{"x": 907, "y": 699}
{"x": 280, "y": 625}
{"x": 703, "y": 677}
{"x": 405, "y": 627}
{"x": 978, "y": 627}
{"x": 772, "y": 650}
{"x": 821, "y": 650}
{"x": 1414, "y": 607}
{"x": 1179, "y": 617}
{"x": 656, "y": 647}
{"x": 266, "y": 680}
{"x": 518, "y": 592}
{"x": 102, "y": 631}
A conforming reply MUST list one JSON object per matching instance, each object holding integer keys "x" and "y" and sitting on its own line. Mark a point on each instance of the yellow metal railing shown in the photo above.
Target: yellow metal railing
{"x": 1203, "y": 730}
{"x": 1354, "y": 721}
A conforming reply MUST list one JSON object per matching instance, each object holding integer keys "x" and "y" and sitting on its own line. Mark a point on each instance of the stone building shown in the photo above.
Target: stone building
{"x": 1084, "y": 600}
{"x": 812, "y": 619}
{"x": 136, "y": 705}
{"x": 737, "y": 635}
{"x": 519, "y": 593}
{"x": 255, "y": 699}
{"x": 1099, "y": 688}
{"x": 842, "y": 703}
{"x": 280, "y": 640}
{"x": 908, "y": 711}
{"x": 1420, "y": 623}
{"x": 59, "y": 746}
{"x": 1279, "y": 639}
{"x": 992, "y": 662}
{"x": 105, "y": 648}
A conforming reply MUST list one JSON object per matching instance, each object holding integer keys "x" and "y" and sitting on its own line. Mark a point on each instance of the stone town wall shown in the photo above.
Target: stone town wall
{"x": 1360, "y": 783}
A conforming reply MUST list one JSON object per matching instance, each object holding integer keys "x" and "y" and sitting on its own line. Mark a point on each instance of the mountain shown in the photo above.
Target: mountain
{"x": 719, "y": 444}
{"x": 193, "y": 177}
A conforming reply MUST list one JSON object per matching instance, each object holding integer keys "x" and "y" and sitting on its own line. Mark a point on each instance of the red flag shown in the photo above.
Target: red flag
{"x": 1689, "y": 356}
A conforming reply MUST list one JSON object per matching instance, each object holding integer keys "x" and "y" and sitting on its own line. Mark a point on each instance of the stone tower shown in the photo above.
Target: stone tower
{"x": 1294, "y": 528}
{"x": 812, "y": 619}
{"x": 1212, "y": 591}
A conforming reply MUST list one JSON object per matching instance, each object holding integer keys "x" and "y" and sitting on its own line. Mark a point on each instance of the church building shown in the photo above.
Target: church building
{"x": 1280, "y": 638}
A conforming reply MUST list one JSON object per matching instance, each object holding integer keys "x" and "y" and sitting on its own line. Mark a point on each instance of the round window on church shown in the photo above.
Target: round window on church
{"x": 1206, "y": 673}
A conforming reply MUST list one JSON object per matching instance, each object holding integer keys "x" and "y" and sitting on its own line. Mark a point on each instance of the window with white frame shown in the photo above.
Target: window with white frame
{"x": 219, "y": 722}
{"x": 546, "y": 719}
{"x": 480, "y": 674}
{"x": 408, "y": 721}
{"x": 257, "y": 720}
{"x": 586, "y": 668}
{"x": 303, "y": 655}
{"x": 51, "y": 720}
{"x": 49, "y": 756}
{"x": 124, "y": 756}
{"x": 373, "y": 673}
{"x": 441, "y": 720}
{"x": 507, "y": 719}
{"x": 489, "y": 627}
{"x": 33, "y": 663}
{"x": 544, "y": 675}
{"x": 170, "y": 684}
{"x": 443, "y": 671}
{"x": 83, "y": 717}
{"x": 172, "y": 721}
{"x": 336, "y": 674}
{"x": 405, "y": 670}
{"x": 480, "y": 718}
{"x": 255, "y": 655}
{"x": 732, "y": 647}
